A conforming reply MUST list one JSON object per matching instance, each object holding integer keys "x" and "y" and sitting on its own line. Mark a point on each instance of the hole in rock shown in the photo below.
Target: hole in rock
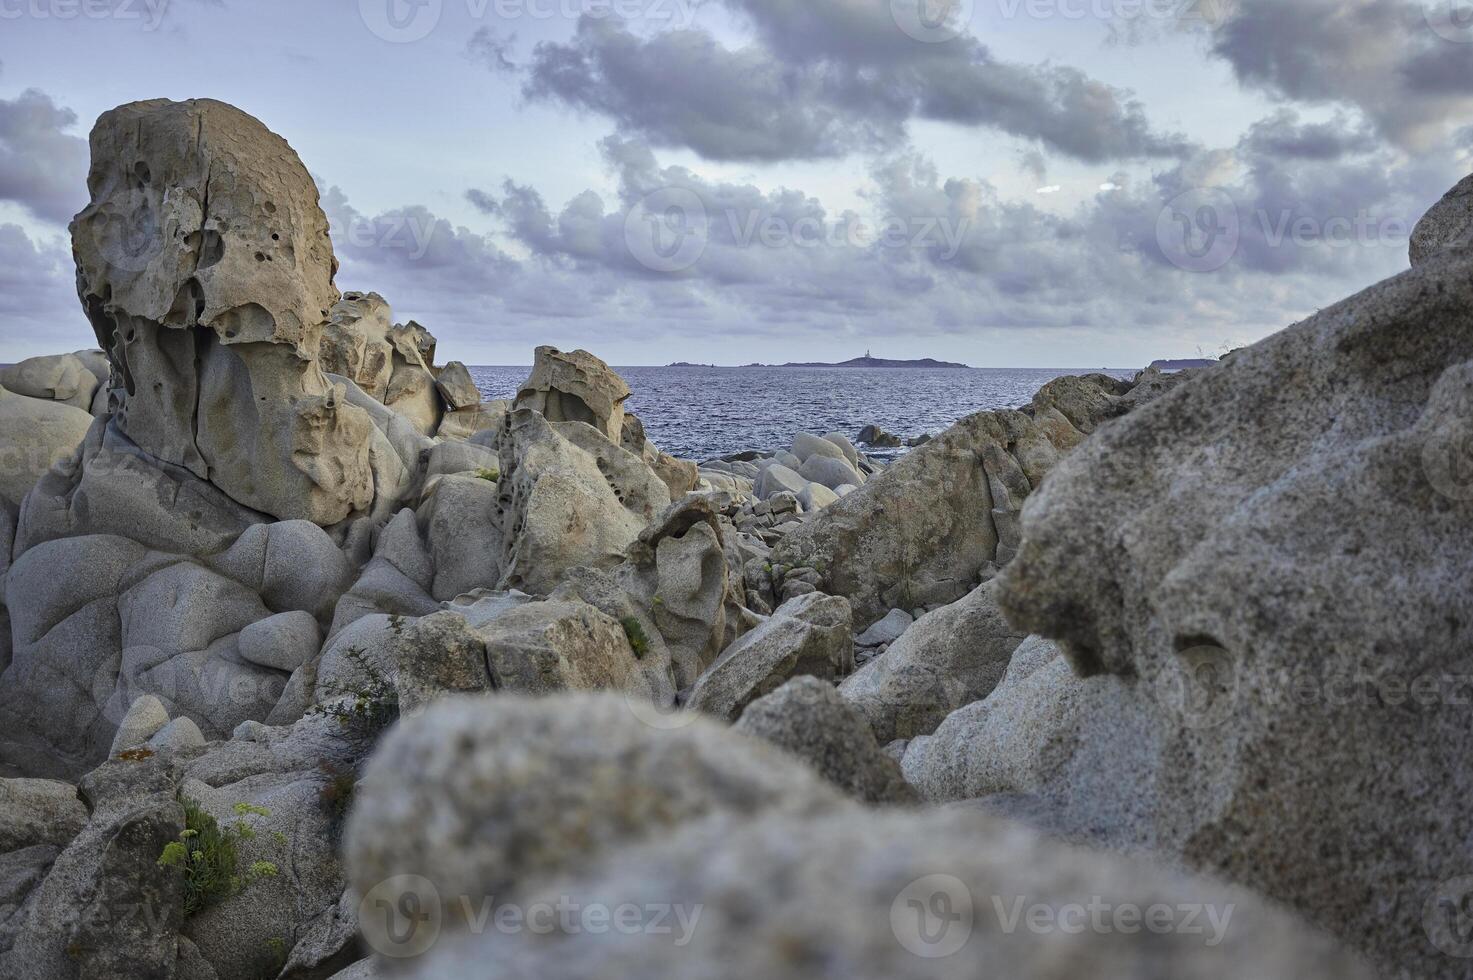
{"x": 141, "y": 171}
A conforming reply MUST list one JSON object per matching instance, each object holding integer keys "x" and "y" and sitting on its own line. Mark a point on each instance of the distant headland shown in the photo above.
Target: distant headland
{"x": 857, "y": 362}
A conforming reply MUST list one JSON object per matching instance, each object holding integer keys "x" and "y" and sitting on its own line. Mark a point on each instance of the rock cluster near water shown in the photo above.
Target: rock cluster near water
{"x": 274, "y": 578}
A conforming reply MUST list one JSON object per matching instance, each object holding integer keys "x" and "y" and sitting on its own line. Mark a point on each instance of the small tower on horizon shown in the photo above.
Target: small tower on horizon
{"x": 866, "y": 352}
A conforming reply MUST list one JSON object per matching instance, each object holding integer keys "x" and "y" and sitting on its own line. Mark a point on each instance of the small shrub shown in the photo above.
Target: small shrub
{"x": 208, "y": 855}
{"x": 371, "y": 702}
{"x": 638, "y": 641}
{"x": 488, "y": 474}
{"x": 337, "y": 794}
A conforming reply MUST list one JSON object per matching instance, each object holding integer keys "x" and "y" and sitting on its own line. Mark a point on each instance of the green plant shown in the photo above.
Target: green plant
{"x": 371, "y": 701}
{"x": 638, "y": 641}
{"x": 209, "y": 857}
{"x": 488, "y": 474}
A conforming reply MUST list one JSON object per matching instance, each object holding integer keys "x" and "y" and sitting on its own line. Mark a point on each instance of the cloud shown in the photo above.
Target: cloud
{"x": 827, "y": 78}
{"x": 42, "y": 167}
{"x": 1383, "y": 57}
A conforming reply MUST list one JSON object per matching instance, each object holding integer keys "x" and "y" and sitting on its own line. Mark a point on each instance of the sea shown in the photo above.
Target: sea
{"x": 703, "y": 413}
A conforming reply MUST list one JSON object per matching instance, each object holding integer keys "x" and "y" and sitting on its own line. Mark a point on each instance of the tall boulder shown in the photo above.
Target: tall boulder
{"x": 1271, "y": 566}
{"x": 205, "y": 267}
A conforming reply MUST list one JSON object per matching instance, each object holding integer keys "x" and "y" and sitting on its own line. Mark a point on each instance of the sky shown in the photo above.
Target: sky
{"x": 1008, "y": 183}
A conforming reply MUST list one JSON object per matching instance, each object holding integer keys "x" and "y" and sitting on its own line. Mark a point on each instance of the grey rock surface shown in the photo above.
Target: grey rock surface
{"x": 1268, "y": 567}
{"x": 807, "y": 718}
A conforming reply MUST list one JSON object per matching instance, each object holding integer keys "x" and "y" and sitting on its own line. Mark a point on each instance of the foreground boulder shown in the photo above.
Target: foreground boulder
{"x": 479, "y": 795}
{"x": 931, "y": 896}
{"x": 65, "y": 378}
{"x": 1268, "y": 569}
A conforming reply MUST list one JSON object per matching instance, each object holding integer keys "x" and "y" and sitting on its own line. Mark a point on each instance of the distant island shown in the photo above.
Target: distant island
{"x": 858, "y": 362}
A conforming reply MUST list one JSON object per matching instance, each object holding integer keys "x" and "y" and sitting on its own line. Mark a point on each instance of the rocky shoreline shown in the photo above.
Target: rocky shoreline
{"x": 313, "y": 664}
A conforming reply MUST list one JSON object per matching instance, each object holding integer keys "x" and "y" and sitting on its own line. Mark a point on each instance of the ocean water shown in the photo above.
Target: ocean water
{"x": 701, "y": 413}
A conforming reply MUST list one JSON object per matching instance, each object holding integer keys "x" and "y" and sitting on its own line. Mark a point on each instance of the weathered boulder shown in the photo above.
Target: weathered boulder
{"x": 63, "y": 378}
{"x": 478, "y": 795}
{"x": 456, "y": 387}
{"x": 34, "y": 436}
{"x": 462, "y": 531}
{"x": 806, "y": 445}
{"x": 285, "y": 641}
{"x": 829, "y": 472}
{"x": 396, "y": 580}
{"x": 355, "y": 342}
{"x": 113, "y": 487}
{"x": 862, "y": 895}
{"x": 807, "y": 717}
{"x": 679, "y": 475}
{"x": 106, "y": 908}
{"x": 676, "y": 593}
{"x": 887, "y": 630}
{"x": 421, "y": 659}
{"x": 945, "y": 660}
{"x": 845, "y": 446}
{"x": 1272, "y": 563}
{"x": 571, "y": 498}
{"x": 145, "y": 717}
{"x": 922, "y": 532}
{"x": 776, "y": 478}
{"x": 204, "y": 264}
{"x": 576, "y": 387}
{"x": 543, "y": 647}
{"x": 1448, "y": 224}
{"x": 467, "y": 422}
{"x": 1017, "y": 743}
{"x": 810, "y": 635}
{"x": 39, "y": 811}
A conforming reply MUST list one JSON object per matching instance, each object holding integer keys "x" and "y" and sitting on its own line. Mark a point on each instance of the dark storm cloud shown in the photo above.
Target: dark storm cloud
{"x": 1408, "y": 72}
{"x": 825, "y": 79}
{"x": 43, "y": 168}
